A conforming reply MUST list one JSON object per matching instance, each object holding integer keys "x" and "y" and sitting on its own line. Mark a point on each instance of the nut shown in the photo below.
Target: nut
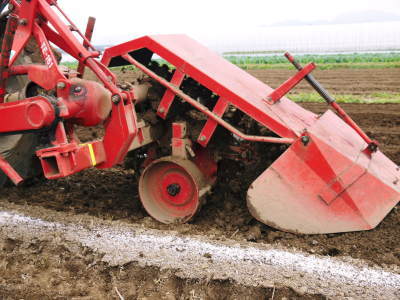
{"x": 61, "y": 85}
{"x": 23, "y": 22}
{"x": 116, "y": 99}
{"x": 77, "y": 89}
{"x": 305, "y": 140}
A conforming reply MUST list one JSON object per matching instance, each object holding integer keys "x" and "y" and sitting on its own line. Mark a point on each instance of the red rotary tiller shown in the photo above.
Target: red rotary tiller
{"x": 332, "y": 177}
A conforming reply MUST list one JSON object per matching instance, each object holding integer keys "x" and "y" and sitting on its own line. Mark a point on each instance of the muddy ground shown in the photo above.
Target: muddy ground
{"x": 112, "y": 195}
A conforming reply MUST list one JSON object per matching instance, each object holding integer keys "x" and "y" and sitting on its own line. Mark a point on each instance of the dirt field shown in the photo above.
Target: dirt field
{"x": 54, "y": 270}
{"x": 340, "y": 81}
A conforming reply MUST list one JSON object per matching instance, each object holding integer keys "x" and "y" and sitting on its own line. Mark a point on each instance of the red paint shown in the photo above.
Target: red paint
{"x": 285, "y": 88}
{"x": 169, "y": 96}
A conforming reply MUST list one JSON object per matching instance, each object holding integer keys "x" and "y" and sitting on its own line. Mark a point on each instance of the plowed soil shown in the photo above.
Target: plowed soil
{"x": 340, "y": 81}
{"x": 112, "y": 195}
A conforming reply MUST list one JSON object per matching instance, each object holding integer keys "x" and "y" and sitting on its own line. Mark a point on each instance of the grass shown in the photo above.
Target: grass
{"x": 322, "y": 66}
{"x": 323, "y": 61}
{"x": 376, "y": 98}
{"x": 317, "y": 58}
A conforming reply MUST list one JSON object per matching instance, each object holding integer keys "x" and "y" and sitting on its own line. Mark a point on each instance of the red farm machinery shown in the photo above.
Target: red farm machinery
{"x": 329, "y": 176}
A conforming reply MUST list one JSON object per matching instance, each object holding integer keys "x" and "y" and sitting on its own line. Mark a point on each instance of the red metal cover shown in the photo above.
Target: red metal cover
{"x": 238, "y": 87}
{"x": 328, "y": 185}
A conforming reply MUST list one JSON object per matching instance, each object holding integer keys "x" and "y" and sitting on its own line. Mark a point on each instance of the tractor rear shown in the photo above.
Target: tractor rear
{"x": 180, "y": 122}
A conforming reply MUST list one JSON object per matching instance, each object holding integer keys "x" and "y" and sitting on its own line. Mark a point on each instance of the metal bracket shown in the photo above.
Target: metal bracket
{"x": 289, "y": 84}
{"x": 210, "y": 126}
{"x": 169, "y": 96}
{"x": 181, "y": 145}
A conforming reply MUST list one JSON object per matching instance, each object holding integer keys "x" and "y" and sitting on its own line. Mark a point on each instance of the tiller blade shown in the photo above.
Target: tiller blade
{"x": 326, "y": 182}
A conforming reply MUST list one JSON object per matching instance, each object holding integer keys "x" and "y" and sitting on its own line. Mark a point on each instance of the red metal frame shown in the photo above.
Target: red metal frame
{"x": 304, "y": 173}
{"x": 88, "y": 35}
{"x": 331, "y": 178}
{"x": 169, "y": 96}
{"x": 210, "y": 126}
{"x": 288, "y": 85}
{"x": 372, "y": 145}
{"x": 37, "y": 19}
{"x": 205, "y": 110}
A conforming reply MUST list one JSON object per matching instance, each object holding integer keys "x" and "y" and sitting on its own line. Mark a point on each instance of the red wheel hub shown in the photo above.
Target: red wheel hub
{"x": 169, "y": 189}
{"x": 176, "y": 187}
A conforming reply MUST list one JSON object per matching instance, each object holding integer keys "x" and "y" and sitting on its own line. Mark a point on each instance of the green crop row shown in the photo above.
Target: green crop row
{"x": 317, "y": 58}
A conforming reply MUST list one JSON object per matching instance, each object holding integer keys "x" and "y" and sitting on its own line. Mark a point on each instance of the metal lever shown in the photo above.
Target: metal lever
{"x": 311, "y": 80}
{"x": 88, "y": 34}
{"x": 372, "y": 145}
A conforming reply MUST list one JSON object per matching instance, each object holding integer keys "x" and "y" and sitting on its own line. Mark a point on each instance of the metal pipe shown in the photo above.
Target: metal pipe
{"x": 204, "y": 109}
{"x": 372, "y": 145}
{"x": 88, "y": 34}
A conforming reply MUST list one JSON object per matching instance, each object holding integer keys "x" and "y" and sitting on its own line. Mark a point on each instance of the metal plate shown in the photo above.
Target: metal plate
{"x": 329, "y": 185}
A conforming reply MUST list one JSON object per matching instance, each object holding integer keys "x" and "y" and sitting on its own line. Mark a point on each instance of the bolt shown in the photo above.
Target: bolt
{"x": 396, "y": 181}
{"x": 161, "y": 110}
{"x": 305, "y": 140}
{"x": 61, "y": 85}
{"x": 202, "y": 138}
{"x": 77, "y": 89}
{"x": 23, "y": 22}
{"x": 173, "y": 189}
{"x": 116, "y": 99}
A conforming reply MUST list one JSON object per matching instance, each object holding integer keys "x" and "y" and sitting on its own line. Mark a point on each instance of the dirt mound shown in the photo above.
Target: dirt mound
{"x": 57, "y": 269}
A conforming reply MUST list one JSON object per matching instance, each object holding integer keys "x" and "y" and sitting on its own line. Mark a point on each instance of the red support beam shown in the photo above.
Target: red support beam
{"x": 289, "y": 84}
{"x": 169, "y": 95}
{"x": 88, "y": 35}
{"x": 210, "y": 126}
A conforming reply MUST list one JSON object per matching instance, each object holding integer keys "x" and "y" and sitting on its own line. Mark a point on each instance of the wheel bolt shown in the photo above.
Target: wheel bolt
{"x": 116, "y": 99}
{"x": 61, "y": 85}
{"x": 77, "y": 89}
{"x": 173, "y": 189}
{"x": 305, "y": 140}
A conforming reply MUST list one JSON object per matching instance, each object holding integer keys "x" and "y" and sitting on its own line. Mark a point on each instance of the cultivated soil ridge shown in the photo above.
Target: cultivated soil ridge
{"x": 195, "y": 257}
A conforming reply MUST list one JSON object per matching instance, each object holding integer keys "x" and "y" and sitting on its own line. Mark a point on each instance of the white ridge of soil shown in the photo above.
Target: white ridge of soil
{"x": 196, "y": 257}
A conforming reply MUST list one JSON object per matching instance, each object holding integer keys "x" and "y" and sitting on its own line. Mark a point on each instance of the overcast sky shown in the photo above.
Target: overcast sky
{"x": 125, "y": 19}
